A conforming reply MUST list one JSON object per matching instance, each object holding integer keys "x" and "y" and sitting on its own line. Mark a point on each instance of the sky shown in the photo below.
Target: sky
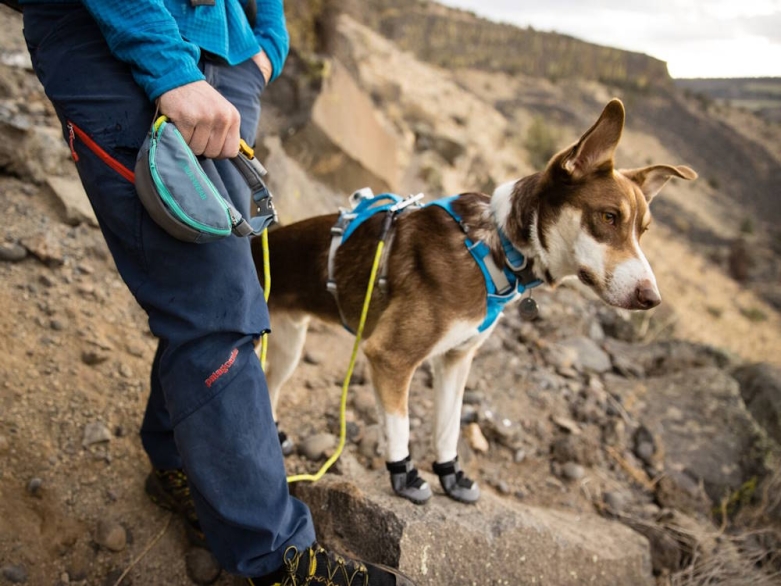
{"x": 706, "y": 38}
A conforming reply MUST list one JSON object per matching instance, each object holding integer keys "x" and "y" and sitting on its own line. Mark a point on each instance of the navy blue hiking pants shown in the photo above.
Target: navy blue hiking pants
{"x": 209, "y": 410}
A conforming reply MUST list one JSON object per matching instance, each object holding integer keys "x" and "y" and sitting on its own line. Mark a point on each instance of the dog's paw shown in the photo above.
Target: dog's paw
{"x": 455, "y": 483}
{"x": 407, "y": 483}
{"x": 287, "y": 445}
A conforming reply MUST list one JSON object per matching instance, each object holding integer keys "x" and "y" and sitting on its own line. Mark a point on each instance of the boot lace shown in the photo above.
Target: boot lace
{"x": 324, "y": 567}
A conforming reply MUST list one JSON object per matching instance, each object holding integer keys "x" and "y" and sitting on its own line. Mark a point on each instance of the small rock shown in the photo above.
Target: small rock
{"x": 56, "y": 325}
{"x": 501, "y": 431}
{"x": 473, "y": 397}
{"x": 93, "y": 358}
{"x": 5, "y": 445}
{"x": 15, "y": 574}
{"x": 519, "y": 456}
{"x": 94, "y": 433}
{"x": 318, "y": 446}
{"x": 34, "y": 486}
{"x": 202, "y": 567}
{"x": 65, "y": 578}
{"x": 566, "y": 424}
{"x": 364, "y": 403}
{"x": 354, "y": 432}
{"x": 501, "y": 486}
{"x": 469, "y": 414}
{"x": 45, "y": 247}
{"x": 111, "y": 535}
{"x": 69, "y": 196}
{"x": 615, "y": 501}
{"x": 370, "y": 441}
{"x": 125, "y": 371}
{"x": 311, "y": 358}
{"x": 645, "y": 451}
{"x": 12, "y": 252}
{"x": 46, "y": 281}
{"x": 113, "y": 576}
{"x": 476, "y": 439}
{"x": 590, "y": 357}
{"x": 572, "y": 471}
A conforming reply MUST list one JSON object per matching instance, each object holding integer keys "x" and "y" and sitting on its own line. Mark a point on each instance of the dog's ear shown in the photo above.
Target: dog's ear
{"x": 652, "y": 179}
{"x": 595, "y": 149}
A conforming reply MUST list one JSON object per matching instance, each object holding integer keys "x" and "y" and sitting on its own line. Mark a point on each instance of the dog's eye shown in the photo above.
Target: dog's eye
{"x": 609, "y": 218}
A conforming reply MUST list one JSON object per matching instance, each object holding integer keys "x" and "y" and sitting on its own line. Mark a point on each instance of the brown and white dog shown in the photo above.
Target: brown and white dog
{"x": 579, "y": 217}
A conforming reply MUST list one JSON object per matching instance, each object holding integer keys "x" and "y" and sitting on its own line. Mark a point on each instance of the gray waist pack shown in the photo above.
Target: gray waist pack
{"x": 181, "y": 198}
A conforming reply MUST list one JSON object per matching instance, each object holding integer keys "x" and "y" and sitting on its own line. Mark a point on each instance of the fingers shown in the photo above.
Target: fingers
{"x": 207, "y": 121}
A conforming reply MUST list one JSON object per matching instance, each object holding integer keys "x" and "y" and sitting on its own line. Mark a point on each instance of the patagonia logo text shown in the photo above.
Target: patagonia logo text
{"x": 222, "y": 369}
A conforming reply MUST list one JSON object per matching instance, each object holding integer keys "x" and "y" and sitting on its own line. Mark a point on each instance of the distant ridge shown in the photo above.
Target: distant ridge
{"x": 454, "y": 38}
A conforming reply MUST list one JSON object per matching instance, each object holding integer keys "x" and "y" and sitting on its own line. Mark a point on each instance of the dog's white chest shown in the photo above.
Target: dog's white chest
{"x": 462, "y": 335}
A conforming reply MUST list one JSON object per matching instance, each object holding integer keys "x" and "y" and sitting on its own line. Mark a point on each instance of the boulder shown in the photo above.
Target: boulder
{"x": 497, "y": 541}
{"x": 589, "y": 356}
{"x": 703, "y": 427}
{"x": 660, "y": 358}
{"x": 71, "y": 200}
{"x": 760, "y": 387}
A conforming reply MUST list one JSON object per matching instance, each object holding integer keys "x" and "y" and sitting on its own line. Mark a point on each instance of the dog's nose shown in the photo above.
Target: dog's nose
{"x": 646, "y": 295}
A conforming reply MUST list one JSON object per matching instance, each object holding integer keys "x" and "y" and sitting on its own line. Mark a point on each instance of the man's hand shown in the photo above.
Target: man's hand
{"x": 208, "y": 122}
{"x": 263, "y": 63}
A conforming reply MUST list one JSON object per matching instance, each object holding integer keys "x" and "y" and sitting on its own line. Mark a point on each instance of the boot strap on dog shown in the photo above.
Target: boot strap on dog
{"x": 453, "y": 468}
{"x": 405, "y": 467}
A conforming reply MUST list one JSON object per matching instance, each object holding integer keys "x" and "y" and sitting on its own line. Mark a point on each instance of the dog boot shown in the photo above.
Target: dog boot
{"x": 406, "y": 483}
{"x": 455, "y": 483}
{"x": 287, "y": 445}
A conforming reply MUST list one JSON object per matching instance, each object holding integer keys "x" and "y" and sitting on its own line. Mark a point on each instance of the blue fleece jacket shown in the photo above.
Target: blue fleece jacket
{"x": 161, "y": 40}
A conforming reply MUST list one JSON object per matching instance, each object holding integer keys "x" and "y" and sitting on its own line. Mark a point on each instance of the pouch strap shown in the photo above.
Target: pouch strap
{"x": 252, "y": 171}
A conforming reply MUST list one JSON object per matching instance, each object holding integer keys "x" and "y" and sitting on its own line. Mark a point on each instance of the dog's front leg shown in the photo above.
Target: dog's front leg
{"x": 391, "y": 373}
{"x": 285, "y": 346}
{"x": 450, "y": 373}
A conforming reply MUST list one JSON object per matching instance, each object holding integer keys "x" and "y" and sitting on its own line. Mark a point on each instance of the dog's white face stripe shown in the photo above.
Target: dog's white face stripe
{"x": 560, "y": 239}
{"x": 590, "y": 254}
{"x": 628, "y": 274}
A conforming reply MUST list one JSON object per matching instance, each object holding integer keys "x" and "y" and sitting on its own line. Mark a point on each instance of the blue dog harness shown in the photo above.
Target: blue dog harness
{"x": 502, "y": 285}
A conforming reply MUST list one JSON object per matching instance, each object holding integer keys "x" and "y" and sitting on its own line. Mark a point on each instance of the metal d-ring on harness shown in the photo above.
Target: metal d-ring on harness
{"x": 365, "y": 205}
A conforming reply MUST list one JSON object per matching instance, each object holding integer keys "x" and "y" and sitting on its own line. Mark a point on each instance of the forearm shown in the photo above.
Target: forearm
{"x": 271, "y": 33}
{"x": 144, "y": 35}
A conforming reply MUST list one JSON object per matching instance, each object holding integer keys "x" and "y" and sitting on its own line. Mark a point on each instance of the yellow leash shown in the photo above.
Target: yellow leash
{"x": 266, "y": 292}
{"x": 346, "y": 385}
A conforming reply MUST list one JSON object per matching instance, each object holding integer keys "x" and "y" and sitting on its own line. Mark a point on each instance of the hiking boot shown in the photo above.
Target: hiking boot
{"x": 169, "y": 489}
{"x": 316, "y": 566}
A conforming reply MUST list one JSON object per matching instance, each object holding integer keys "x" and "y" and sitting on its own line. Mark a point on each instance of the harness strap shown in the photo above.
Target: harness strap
{"x": 503, "y": 284}
{"x": 366, "y": 206}
{"x": 337, "y": 237}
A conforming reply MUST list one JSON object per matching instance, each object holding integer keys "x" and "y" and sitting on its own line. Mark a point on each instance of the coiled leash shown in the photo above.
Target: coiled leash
{"x": 390, "y": 217}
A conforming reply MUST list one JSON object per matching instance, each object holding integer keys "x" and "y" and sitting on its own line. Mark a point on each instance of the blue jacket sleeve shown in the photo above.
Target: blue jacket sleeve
{"x": 271, "y": 33}
{"x": 143, "y": 34}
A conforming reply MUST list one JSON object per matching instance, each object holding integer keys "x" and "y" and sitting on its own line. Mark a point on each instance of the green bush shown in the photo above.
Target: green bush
{"x": 541, "y": 143}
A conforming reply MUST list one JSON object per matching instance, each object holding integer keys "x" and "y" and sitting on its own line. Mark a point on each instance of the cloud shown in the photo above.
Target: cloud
{"x": 739, "y": 35}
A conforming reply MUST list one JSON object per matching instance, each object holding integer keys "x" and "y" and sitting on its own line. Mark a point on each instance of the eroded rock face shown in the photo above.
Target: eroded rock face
{"x": 704, "y": 428}
{"x": 495, "y": 541}
{"x": 760, "y": 387}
